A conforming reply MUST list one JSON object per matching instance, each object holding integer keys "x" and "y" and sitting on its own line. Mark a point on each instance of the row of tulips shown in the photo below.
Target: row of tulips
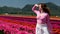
{"x": 11, "y": 28}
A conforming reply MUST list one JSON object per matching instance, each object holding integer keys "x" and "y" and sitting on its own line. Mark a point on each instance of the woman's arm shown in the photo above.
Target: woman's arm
{"x": 34, "y": 8}
{"x": 49, "y": 24}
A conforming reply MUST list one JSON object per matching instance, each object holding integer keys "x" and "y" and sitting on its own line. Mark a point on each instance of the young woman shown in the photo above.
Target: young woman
{"x": 43, "y": 25}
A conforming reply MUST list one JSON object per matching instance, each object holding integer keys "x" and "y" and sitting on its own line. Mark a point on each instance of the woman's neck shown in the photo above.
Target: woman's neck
{"x": 41, "y": 11}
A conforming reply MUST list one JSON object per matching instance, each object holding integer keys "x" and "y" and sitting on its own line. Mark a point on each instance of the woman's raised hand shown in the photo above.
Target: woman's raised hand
{"x": 36, "y": 5}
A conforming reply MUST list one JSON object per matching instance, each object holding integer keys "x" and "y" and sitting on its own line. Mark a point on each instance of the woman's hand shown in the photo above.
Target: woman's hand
{"x": 51, "y": 32}
{"x": 36, "y": 5}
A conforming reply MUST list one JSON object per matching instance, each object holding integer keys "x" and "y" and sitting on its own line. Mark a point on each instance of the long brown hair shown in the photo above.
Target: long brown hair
{"x": 45, "y": 8}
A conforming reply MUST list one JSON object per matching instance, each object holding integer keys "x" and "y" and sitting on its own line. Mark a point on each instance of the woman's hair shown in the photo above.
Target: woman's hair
{"x": 45, "y": 8}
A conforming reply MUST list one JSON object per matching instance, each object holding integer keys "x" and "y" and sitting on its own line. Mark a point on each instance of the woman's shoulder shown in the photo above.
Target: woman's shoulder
{"x": 46, "y": 14}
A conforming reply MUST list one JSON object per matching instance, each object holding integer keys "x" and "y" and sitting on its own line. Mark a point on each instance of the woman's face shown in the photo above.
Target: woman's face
{"x": 40, "y": 7}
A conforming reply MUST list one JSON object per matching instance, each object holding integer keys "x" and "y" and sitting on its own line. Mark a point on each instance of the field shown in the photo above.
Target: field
{"x": 24, "y": 24}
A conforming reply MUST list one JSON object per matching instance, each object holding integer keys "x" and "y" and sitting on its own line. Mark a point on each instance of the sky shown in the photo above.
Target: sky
{"x": 22, "y": 3}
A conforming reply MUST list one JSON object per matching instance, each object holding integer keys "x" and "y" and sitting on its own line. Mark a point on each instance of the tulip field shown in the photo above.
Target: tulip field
{"x": 23, "y": 25}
